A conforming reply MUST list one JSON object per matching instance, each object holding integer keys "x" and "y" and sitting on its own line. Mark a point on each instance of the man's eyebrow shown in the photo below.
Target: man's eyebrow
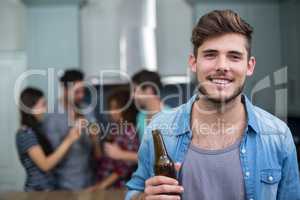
{"x": 206, "y": 51}
{"x": 236, "y": 53}
{"x": 209, "y": 51}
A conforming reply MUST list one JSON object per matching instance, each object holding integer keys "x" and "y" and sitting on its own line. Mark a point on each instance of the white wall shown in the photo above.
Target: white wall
{"x": 100, "y": 38}
{"x": 13, "y": 23}
{"x": 52, "y": 41}
{"x": 12, "y": 64}
{"x": 174, "y": 28}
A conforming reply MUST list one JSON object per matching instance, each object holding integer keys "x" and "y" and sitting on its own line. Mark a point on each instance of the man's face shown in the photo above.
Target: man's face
{"x": 76, "y": 92}
{"x": 138, "y": 96}
{"x": 221, "y": 67}
{"x": 141, "y": 95}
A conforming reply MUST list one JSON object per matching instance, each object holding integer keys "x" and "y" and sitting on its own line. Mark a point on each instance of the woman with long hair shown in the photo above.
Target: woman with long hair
{"x": 113, "y": 173}
{"x": 35, "y": 151}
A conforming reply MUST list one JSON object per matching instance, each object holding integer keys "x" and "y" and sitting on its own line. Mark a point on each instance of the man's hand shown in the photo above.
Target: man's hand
{"x": 162, "y": 187}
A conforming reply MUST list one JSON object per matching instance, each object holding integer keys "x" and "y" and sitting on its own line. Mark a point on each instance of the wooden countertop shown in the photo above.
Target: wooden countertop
{"x": 64, "y": 195}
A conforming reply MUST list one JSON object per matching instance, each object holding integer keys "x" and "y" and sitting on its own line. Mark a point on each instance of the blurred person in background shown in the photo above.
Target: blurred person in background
{"x": 36, "y": 154}
{"x": 75, "y": 172}
{"x": 113, "y": 173}
{"x": 147, "y": 86}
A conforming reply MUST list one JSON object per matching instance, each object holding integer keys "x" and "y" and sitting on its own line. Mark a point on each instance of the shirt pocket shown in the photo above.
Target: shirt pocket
{"x": 269, "y": 183}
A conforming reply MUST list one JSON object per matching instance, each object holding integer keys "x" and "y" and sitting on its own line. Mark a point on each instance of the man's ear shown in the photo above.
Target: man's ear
{"x": 193, "y": 62}
{"x": 251, "y": 66}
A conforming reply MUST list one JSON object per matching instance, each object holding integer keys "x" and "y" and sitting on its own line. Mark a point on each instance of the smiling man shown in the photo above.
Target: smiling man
{"x": 226, "y": 147}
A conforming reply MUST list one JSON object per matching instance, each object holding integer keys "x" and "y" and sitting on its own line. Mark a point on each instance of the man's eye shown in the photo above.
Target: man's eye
{"x": 209, "y": 55}
{"x": 233, "y": 57}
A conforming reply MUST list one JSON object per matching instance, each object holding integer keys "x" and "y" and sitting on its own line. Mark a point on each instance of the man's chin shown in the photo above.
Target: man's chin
{"x": 221, "y": 98}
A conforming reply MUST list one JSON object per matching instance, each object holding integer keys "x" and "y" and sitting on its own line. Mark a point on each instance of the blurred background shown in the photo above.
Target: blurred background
{"x": 113, "y": 39}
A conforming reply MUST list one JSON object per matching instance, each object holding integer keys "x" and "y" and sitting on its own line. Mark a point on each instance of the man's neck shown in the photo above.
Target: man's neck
{"x": 216, "y": 126}
{"x": 64, "y": 102}
{"x": 210, "y": 111}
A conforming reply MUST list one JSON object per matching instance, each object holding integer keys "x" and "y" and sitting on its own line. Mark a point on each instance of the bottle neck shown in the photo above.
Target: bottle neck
{"x": 159, "y": 146}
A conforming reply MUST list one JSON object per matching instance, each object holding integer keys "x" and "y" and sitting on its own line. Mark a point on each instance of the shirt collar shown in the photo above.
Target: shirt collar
{"x": 183, "y": 120}
{"x": 251, "y": 117}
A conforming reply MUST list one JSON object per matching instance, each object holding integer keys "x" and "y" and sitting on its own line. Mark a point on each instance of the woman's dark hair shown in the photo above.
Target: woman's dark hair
{"x": 28, "y": 99}
{"x": 122, "y": 97}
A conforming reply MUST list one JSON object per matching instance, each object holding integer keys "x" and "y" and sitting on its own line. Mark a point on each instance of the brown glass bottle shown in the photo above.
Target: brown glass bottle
{"x": 163, "y": 166}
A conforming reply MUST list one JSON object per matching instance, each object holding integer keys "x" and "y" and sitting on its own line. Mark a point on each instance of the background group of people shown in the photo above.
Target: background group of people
{"x": 58, "y": 154}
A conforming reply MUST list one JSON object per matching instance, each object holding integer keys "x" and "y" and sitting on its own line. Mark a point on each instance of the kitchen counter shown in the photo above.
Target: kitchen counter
{"x": 65, "y": 195}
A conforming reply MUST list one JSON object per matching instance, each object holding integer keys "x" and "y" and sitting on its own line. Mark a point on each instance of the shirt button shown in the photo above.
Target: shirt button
{"x": 270, "y": 178}
{"x": 243, "y": 151}
{"x": 251, "y": 199}
{"x": 247, "y": 174}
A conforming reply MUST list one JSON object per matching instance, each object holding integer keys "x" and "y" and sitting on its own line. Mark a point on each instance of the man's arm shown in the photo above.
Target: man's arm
{"x": 289, "y": 186}
{"x": 136, "y": 185}
{"x": 143, "y": 184}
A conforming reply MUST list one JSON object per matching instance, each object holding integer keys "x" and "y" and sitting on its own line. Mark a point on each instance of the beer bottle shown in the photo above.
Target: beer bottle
{"x": 163, "y": 166}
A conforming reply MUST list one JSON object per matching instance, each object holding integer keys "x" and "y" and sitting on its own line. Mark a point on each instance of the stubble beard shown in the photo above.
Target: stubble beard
{"x": 219, "y": 101}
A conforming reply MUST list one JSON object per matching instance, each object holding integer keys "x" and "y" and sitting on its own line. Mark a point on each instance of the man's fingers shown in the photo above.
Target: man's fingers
{"x": 160, "y": 180}
{"x": 163, "y": 197}
{"x": 163, "y": 189}
{"x": 177, "y": 166}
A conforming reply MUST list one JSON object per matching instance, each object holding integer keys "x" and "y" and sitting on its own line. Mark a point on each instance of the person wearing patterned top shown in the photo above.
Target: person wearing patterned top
{"x": 146, "y": 86}
{"x": 112, "y": 173}
{"x": 35, "y": 152}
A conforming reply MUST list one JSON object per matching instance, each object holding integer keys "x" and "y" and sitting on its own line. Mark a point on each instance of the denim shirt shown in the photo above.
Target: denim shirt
{"x": 267, "y": 152}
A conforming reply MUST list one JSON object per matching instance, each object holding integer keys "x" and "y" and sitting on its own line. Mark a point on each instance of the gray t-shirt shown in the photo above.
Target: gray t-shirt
{"x": 212, "y": 174}
{"x": 74, "y": 172}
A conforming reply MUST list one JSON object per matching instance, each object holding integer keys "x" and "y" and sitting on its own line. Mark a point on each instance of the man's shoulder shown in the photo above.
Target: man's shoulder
{"x": 56, "y": 115}
{"x": 168, "y": 119}
{"x": 268, "y": 123}
{"x": 170, "y": 112}
{"x": 274, "y": 133}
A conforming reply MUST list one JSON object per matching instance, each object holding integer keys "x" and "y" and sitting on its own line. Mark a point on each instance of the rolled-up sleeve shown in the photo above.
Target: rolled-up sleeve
{"x": 26, "y": 140}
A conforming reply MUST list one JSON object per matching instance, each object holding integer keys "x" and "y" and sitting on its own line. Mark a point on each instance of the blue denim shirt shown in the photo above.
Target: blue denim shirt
{"x": 267, "y": 152}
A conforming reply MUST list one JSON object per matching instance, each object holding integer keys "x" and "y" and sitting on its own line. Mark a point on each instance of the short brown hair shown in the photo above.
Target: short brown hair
{"x": 219, "y": 22}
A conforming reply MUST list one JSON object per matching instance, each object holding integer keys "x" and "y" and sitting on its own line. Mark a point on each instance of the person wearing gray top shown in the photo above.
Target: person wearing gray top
{"x": 75, "y": 171}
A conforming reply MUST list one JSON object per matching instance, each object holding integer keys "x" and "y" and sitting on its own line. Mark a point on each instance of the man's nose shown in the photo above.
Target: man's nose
{"x": 222, "y": 64}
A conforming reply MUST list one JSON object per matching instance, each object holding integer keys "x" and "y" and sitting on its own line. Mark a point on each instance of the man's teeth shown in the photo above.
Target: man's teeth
{"x": 220, "y": 81}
